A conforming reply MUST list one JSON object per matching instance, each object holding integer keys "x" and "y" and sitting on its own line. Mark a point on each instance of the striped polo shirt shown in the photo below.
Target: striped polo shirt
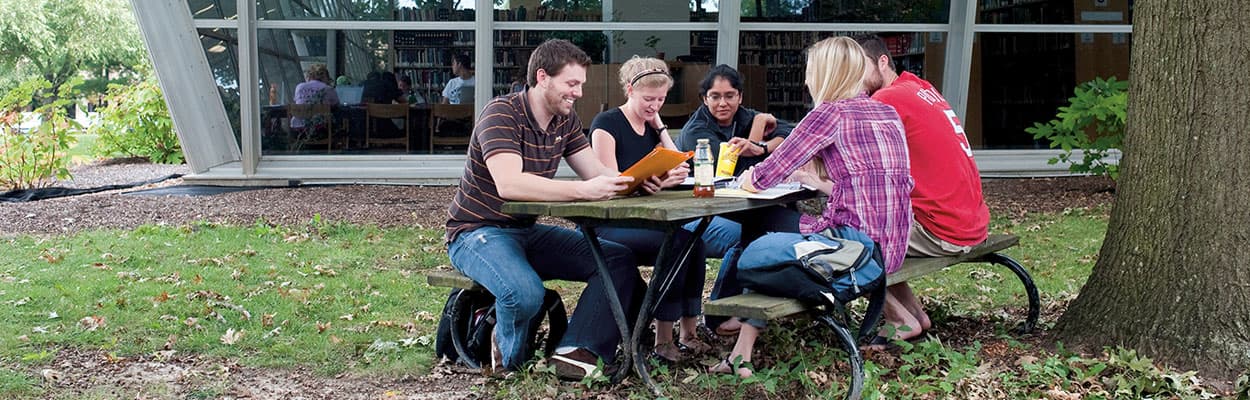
{"x": 507, "y": 126}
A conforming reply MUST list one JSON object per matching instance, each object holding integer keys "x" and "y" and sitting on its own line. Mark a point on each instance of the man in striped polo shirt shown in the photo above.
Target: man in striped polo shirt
{"x": 517, "y": 145}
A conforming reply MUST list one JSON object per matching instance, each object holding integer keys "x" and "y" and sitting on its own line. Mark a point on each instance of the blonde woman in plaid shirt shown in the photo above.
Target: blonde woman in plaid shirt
{"x": 860, "y": 144}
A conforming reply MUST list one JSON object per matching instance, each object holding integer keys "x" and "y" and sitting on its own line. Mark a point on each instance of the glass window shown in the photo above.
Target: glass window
{"x": 852, "y": 11}
{"x": 595, "y": 11}
{"x": 213, "y": 9}
{"x": 1055, "y": 12}
{"x": 689, "y": 55}
{"x": 1022, "y": 78}
{"x": 365, "y": 10}
{"x": 221, "y": 49}
{"x": 773, "y": 65}
{"x": 357, "y": 91}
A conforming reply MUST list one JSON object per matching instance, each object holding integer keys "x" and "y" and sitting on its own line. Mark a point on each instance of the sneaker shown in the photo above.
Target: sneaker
{"x": 576, "y": 365}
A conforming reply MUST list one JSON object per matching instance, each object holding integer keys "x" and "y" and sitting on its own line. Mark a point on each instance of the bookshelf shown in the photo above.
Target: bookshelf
{"x": 781, "y": 54}
{"x": 425, "y": 56}
{"x": 1025, "y": 77}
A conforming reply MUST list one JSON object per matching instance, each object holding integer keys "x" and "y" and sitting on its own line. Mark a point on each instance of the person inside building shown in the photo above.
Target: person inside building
{"x": 382, "y": 87}
{"x": 513, "y": 155}
{"x": 621, "y": 137}
{"x": 405, "y": 88}
{"x": 860, "y": 144}
{"x": 459, "y": 90}
{"x": 315, "y": 89}
{"x": 950, "y": 213}
{"x": 723, "y": 118}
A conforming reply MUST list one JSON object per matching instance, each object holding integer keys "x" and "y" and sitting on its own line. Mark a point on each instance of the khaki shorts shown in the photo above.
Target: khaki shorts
{"x": 922, "y": 243}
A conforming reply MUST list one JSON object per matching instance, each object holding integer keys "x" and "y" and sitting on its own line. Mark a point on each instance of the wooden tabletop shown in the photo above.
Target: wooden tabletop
{"x": 668, "y": 206}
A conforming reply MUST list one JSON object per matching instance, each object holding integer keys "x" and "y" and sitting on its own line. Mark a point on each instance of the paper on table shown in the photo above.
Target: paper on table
{"x": 771, "y": 193}
{"x": 655, "y": 163}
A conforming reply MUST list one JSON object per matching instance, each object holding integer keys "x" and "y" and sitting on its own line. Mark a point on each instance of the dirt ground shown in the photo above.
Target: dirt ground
{"x": 90, "y": 373}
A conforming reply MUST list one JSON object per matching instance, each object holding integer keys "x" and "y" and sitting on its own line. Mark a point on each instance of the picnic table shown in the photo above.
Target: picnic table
{"x": 666, "y": 211}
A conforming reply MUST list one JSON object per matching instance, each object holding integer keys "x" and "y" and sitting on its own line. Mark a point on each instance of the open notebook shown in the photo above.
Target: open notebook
{"x": 770, "y": 193}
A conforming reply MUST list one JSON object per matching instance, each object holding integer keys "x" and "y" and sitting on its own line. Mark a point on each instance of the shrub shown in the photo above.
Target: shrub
{"x": 136, "y": 123}
{"x": 37, "y": 157}
{"x": 1100, "y": 105}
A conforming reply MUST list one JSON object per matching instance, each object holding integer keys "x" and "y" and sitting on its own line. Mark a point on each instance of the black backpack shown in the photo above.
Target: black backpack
{"x": 468, "y": 319}
{"x": 832, "y": 267}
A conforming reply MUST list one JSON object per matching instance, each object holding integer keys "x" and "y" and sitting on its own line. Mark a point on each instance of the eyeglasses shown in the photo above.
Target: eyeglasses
{"x": 727, "y": 97}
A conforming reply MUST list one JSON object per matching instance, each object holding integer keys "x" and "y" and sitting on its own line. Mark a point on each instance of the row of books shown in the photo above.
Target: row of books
{"x": 433, "y": 38}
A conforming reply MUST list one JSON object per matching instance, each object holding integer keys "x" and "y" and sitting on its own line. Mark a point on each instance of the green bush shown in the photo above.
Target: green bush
{"x": 136, "y": 123}
{"x": 1100, "y": 104}
{"x": 38, "y": 157}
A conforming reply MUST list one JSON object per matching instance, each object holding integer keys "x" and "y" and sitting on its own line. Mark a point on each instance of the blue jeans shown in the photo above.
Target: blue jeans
{"x": 721, "y": 235}
{"x": 752, "y": 224}
{"x": 685, "y": 296}
{"x": 512, "y": 264}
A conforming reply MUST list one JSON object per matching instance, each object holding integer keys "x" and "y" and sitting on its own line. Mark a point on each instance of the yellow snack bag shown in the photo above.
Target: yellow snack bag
{"x": 726, "y": 161}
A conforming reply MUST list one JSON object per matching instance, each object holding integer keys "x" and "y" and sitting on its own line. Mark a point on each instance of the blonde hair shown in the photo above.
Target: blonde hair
{"x": 317, "y": 71}
{"x": 644, "y": 72}
{"x": 835, "y": 69}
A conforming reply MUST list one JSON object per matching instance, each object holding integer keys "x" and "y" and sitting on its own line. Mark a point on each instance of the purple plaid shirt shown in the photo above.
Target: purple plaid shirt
{"x": 862, "y": 145}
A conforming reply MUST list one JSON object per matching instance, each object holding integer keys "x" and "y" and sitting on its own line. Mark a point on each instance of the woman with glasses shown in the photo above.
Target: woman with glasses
{"x": 620, "y": 137}
{"x": 722, "y": 118}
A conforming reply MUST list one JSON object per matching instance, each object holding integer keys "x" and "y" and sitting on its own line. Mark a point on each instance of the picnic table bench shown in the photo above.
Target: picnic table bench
{"x": 758, "y": 306}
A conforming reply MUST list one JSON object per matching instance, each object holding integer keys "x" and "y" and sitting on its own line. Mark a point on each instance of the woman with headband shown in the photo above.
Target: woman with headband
{"x": 620, "y": 137}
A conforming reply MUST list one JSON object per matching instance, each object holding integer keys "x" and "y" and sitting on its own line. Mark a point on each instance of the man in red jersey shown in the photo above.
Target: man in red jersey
{"x": 950, "y": 214}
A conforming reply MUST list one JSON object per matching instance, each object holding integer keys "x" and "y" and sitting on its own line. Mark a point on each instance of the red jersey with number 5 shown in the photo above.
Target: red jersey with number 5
{"x": 947, "y": 198}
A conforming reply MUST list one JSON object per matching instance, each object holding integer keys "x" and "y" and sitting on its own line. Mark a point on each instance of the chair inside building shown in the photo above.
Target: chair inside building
{"x": 311, "y": 125}
{"x": 380, "y": 126}
{"x": 450, "y": 125}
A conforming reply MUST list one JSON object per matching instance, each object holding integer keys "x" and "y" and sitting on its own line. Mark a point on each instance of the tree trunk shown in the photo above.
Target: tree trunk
{"x": 1172, "y": 279}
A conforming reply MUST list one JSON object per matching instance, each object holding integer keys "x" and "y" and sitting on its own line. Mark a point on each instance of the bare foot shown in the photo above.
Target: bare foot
{"x": 729, "y": 327}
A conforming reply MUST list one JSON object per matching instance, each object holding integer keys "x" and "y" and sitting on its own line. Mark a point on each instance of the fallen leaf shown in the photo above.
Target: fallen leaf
{"x": 23, "y": 339}
{"x": 53, "y": 315}
{"x": 321, "y": 327}
{"x": 231, "y": 336}
{"x": 91, "y": 323}
{"x": 161, "y": 298}
{"x": 50, "y": 375}
{"x": 100, "y": 265}
{"x": 236, "y": 274}
{"x": 197, "y": 280}
{"x": 169, "y": 343}
{"x": 266, "y": 320}
{"x": 335, "y": 339}
{"x": 425, "y": 316}
{"x": 347, "y": 317}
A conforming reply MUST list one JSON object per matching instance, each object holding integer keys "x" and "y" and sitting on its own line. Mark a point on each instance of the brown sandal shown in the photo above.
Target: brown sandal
{"x": 693, "y": 346}
{"x": 668, "y": 353}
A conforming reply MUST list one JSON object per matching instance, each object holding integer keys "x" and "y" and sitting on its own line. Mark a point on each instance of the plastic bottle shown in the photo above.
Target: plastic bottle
{"x": 703, "y": 169}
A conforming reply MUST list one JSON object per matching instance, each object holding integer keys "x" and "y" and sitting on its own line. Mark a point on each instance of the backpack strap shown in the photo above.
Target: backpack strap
{"x": 876, "y": 304}
{"x": 876, "y": 301}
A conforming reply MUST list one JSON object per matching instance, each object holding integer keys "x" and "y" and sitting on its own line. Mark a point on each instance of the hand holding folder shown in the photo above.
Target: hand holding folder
{"x": 655, "y": 163}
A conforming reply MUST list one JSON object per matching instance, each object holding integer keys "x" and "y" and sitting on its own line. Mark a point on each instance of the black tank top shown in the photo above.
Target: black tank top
{"x": 630, "y": 147}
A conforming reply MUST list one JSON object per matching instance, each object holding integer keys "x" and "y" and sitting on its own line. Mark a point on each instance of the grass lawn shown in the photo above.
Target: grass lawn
{"x": 335, "y": 298}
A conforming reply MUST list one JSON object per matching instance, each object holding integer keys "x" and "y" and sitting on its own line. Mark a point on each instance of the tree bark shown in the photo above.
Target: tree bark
{"x": 1172, "y": 279}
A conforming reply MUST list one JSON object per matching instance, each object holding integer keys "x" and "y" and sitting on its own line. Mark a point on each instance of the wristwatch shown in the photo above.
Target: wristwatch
{"x": 763, "y": 145}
